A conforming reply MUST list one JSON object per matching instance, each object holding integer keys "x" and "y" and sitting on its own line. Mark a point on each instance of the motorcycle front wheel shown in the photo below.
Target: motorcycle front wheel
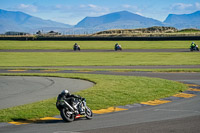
{"x": 67, "y": 115}
{"x": 88, "y": 113}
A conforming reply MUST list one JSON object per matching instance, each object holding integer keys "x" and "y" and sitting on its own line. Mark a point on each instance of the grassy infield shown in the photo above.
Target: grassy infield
{"x": 109, "y": 90}
{"x": 95, "y": 44}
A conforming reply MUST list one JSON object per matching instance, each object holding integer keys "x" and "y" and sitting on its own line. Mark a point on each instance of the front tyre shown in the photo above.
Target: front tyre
{"x": 66, "y": 115}
{"x": 88, "y": 113}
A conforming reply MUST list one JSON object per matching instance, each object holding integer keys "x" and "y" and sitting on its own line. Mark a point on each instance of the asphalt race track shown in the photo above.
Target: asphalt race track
{"x": 95, "y": 50}
{"x": 181, "y": 115}
{"x": 19, "y": 90}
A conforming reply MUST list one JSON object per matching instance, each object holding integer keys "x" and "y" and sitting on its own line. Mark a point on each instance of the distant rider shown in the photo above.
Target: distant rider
{"x": 116, "y": 45}
{"x": 70, "y": 98}
{"x": 75, "y": 45}
{"x": 193, "y": 45}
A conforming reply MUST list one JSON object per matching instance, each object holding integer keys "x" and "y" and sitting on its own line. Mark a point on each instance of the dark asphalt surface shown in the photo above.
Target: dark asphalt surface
{"x": 111, "y": 67}
{"x": 164, "y": 75}
{"x": 19, "y": 90}
{"x": 179, "y": 125}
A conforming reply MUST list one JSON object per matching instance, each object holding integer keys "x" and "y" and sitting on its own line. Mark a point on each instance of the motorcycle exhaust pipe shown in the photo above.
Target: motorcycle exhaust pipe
{"x": 68, "y": 105}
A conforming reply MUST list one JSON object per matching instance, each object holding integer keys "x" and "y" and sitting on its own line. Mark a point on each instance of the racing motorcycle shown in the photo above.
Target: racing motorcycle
{"x": 76, "y": 47}
{"x": 118, "y": 47}
{"x": 194, "y": 48}
{"x": 69, "y": 114}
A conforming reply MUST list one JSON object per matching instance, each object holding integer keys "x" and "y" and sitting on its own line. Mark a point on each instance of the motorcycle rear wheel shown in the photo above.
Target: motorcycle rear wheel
{"x": 66, "y": 115}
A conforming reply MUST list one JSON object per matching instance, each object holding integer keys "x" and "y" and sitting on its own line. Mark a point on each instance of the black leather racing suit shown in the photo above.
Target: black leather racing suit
{"x": 70, "y": 98}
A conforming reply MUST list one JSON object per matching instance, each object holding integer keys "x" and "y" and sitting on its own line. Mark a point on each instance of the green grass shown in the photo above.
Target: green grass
{"x": 108, "y": 91}
{"x": 95, "y": 44}
{"x": 98, "y": 58}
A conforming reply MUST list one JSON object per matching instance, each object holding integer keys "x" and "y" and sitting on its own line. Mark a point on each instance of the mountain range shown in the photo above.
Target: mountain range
{"x": 184, "y": 21}
{"x": 123, "y": 19}
{"x": 19, "y": 21}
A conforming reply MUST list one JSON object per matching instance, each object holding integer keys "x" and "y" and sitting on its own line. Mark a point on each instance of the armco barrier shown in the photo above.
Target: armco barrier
{"x": 102, "y": 38}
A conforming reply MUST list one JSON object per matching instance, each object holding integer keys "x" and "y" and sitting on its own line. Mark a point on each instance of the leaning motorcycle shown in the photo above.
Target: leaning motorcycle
{"x": 68, "y": 113}
{"x": 118, "y": 47}
{"x": 77, "y": 48}
{"x": 194, "y": 48}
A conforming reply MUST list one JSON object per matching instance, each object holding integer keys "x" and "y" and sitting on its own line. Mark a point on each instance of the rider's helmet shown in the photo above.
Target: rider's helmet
{"x": 65, "y": 92}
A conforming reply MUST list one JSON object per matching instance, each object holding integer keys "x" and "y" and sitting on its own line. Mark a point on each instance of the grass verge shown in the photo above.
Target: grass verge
{"x": 95, "y": 44}
{"x": 108, "y": 91}
{"x": 97, "y": 59}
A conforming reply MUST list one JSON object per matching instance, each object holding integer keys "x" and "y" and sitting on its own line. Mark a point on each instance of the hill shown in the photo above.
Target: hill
{"x": 118, "y": 20}
{"x": 155, "y": 29}
{"x": 19, "y": 21}
{"x": 184, "y": 20}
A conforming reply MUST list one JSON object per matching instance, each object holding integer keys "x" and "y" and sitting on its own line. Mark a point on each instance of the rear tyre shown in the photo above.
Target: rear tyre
{"x": 66, "y": 115}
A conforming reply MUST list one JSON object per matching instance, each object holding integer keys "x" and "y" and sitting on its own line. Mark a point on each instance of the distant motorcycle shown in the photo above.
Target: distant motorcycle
{"x": 194, "y": 48}
{"x": 118, "y": 47}
{"x": 76, "y": 47}
{"x": 68, "y": 113}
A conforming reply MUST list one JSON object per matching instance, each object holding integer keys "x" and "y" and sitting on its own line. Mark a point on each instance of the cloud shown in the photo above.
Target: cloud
{"x": 129, "y": 6}
{"x": 86, "y": 9}
{"x": 181, "y": 6}
{"x": 126, "y": 6}
{"x": 91, "y": 10}
{"x": 185, "y": 7}
{"x": 197, "y": 5}
{"x": 27, "y": 8}
{"x": 92, "y": 6}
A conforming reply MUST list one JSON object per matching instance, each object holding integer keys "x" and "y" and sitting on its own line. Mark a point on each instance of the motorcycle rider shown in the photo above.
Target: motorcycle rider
{"x": 193, "y": 45}
{"x": 117, "y": 46}
{"x": 71, "y": 98}
{"x": 75, "y": 45}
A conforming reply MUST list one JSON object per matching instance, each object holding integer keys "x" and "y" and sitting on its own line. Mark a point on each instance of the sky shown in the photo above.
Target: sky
{"x": 73, "y": 11}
